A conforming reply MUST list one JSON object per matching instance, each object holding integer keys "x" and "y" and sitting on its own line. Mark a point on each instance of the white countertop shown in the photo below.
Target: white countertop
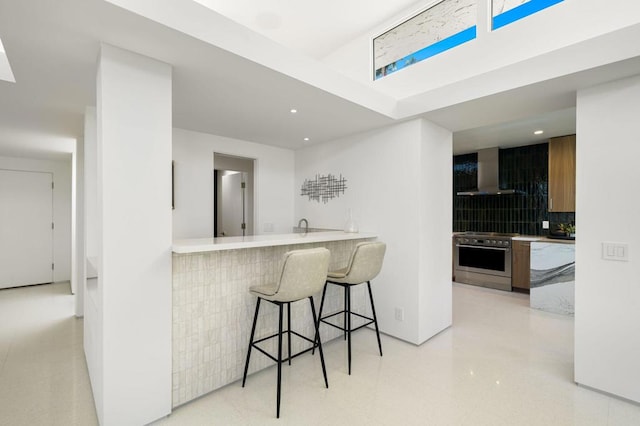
{"x": 196, "y": 245}
{"x": 543, "y": 239}
{"x": 534, "y": 238}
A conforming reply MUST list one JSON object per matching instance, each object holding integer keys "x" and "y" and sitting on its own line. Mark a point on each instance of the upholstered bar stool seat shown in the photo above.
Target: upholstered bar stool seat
{"x": 364, "y": 265}
{"x": 302, "y": 274}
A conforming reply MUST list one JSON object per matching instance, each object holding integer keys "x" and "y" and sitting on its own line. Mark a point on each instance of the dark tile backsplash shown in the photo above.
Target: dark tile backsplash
{"x": 524, "y": 169}
{"x": 465, "y": 172}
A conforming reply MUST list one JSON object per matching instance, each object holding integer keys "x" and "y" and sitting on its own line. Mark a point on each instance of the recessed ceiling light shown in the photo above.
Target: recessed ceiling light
{"x": 306, "y": 139}
{"x": 293, "y": 110}
{"x": 538, "y": 132}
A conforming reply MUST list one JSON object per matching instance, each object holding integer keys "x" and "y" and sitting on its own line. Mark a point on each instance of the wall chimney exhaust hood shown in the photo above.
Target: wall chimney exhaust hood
{"x": 488, "y": 175}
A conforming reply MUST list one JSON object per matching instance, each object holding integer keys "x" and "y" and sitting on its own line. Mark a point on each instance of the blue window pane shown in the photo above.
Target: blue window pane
{"x": 521, "y": 11}
{"x": 427, "y": 52}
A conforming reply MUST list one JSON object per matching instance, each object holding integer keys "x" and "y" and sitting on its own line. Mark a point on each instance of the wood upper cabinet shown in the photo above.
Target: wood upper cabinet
{"x": 562, "y": 174}
{"x": 520, "y": 264}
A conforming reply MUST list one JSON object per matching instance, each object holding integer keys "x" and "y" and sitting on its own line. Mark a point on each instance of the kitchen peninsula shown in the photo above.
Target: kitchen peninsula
{"x": 213, "y": 310}
{"x": 553, "y": 276}
{"x": 550, "y": 272}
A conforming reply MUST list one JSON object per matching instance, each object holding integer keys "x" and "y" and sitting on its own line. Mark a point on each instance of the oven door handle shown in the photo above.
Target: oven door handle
{"x": 483, "y": 247}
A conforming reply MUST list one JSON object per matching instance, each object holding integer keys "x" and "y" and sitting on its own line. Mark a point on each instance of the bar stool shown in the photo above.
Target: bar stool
{"x": 364, "y": 265}
{"x": 302, "y": 274}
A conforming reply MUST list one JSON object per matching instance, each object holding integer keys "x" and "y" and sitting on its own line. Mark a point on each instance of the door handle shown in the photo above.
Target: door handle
{"x": 483, "y": 247}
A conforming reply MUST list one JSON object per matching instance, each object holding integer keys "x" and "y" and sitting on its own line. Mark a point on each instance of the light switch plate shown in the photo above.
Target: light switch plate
{"x": 615, "y": 251}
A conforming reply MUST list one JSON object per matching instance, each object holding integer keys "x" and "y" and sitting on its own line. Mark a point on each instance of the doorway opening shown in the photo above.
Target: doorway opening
{"x": 233, "y": 193}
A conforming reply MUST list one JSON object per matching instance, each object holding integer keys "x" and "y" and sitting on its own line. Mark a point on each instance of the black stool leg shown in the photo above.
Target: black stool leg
{"x": 348, "y": 327}
{"x": 317, "y": 324}
{"x": 346, "y": 310}
{"x": 289, "y": 331}
{"x": 253, "y": 330}
{"x": 375, "y": 319}
{"x": 279, "y": 359}
{"x": 317, "y": 338}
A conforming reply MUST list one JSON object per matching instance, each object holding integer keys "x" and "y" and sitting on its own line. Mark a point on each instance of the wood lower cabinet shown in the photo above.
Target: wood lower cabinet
{"x": 562, "y": 174}
{"x": 520, "y": 264}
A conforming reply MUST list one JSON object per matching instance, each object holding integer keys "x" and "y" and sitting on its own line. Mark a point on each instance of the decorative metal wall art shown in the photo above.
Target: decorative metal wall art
{"x": 323, "y": 187}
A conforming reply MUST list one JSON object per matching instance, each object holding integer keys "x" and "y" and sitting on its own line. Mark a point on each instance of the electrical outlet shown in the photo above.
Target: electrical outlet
{"x": 545, "y": 224}
{"x": 399, "y": 314}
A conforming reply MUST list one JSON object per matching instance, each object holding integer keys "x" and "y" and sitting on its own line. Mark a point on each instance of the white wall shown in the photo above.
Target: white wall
{"x": 193, "y": 180}
{"x": 134, "y": 227}
{"x": 386, "y": 173}
{"x": 61, "y": 207}
{"x": 91, "y": 181}
{"x": 78, "y": 255}
{"x": 93, "y": 336}
{"x": 607, "y": 330}
{"x": 565, "y": 24}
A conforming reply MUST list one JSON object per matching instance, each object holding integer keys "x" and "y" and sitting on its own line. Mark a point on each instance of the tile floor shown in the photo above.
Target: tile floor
{"x": 43, "y": 374}
{"x": 500, "y": 364}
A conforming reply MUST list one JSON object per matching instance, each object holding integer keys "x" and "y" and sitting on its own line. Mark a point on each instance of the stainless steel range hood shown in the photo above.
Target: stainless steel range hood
{"x": 488, "y": 175}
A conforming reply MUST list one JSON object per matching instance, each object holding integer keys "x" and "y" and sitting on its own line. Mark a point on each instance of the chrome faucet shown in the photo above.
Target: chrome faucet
{"x": 306, "y": 224}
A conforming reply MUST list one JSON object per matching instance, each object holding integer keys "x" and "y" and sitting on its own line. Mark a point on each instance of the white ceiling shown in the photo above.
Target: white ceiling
{"x": 315, "y": 29}
{"x": 53, "y": 46}
{"x": 53, "y": 50}
{"x": 517, "y": 133}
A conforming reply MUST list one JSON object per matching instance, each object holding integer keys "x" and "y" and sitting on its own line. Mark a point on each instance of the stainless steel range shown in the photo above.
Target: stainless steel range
{"x": 484, "y": 259}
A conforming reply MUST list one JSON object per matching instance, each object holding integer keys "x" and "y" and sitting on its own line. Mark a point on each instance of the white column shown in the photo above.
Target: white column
{"x": 434, "y": 230}
{"x": 92, "y": 300}
{"x": 134, "y": 227}
{"x": 607, "y": 336}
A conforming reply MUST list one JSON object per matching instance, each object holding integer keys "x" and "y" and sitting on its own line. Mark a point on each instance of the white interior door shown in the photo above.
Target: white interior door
{"x": 232, "y": 205}
{"x": 26, "y": 234}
